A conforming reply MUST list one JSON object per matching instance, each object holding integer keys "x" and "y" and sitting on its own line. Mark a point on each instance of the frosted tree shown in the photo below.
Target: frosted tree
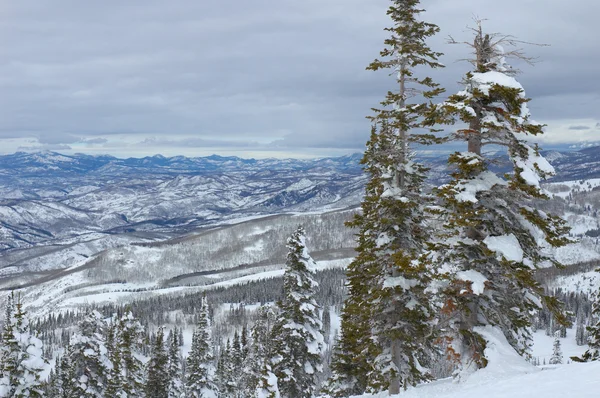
{"x": 52, "y": 388}
{"x": 258, "y": 351}
{"x": 130, "y": 338}
{"x": 225, "y": 376}
{"x": 557, "y": 355}
{"x": 200, "y": 363}
{"x": 267, "y": 386}
{"x": 493, "y": 237}
{"x": 66, "y": 374}
{"x": 88, "y": 357}
{"x": 593, "y": 351}
{"x": 114, "y": 383}
{"x": 237, "y": 361}
{"x": 21, "y": 360}
{"x": 296, "y": 335}
{"x": 175, "y": 389}
{"x": 157, "y": 379}
{"x": 387, "y": 317}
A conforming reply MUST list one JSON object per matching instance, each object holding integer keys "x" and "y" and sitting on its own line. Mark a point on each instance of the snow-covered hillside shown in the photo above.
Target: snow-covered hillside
{"x": 510, "y": 376}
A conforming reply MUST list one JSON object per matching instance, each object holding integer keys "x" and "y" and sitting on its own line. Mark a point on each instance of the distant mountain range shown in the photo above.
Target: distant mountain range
{"x": 49, "y": 199}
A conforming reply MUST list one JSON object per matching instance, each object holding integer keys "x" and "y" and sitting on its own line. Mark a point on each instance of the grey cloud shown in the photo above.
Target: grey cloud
{"x": 56, "y": 138}
{"x": 289, "y": 73}
{"x": 579, "y": 127}
{"x": 197, "y": 143}
{"x": 94, "y": 141}
{"x": 47, "y": 147}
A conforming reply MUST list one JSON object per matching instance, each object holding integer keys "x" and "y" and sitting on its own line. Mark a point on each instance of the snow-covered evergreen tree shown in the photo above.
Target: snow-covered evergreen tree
{"x": 493, "y": 236}
{"x": 258, "y": 351}
{"x": 53, "y": 388}
{"x": 200, "y": 363}
{"x": 157, "y": 369}
{"x": 21, "y": 359}
{"x": 88, "y": 358}
{"x": 593, "y": 351}
{"x": 296, "y": 335}
{"x": 267, "y": 385}
{"x": 175, "y": 389}
{"x": 387, "y": 317}
{"x": 67, "y": 377}
{"x": 225, "y": 377}
{"x": 237, "y": 360}
{"x": 557, "y": 355}
{"x": 130, "y": 338}
{"x": 114, "y": 382}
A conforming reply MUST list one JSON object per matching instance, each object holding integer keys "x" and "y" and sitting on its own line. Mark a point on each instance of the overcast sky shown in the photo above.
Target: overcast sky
{"x": 256, "y": 77}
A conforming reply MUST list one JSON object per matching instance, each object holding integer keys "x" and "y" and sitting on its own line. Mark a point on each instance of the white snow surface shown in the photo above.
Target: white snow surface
{"x": 505, "y": 245}
{"x": 486, "y": 80}
{"x": 477, "y": 280}
{"x": 531, "y": 165}
{"x": 484, "y": 182}
{"x": 510, "y": 376}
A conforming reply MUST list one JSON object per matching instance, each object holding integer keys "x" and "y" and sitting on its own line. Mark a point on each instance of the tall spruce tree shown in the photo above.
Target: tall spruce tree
{"x": 67, "y": 378}
{"x": 387, "y": 316}
{"x": 200, "y": 362}
{"x": 593, "y": 351}
{"x": 130, "y": 333}
{"x": 157, "y": 379}
{"x": 258, "y": 350}
{"x": 296, "y": 335}
{"x": 493, "y": 236}
{"x": 225, "y": 376}
{"x": 174, "y": 371}
{"x": 114, "y": 383}
{"x": 88, "y": 357}
{"x": 21, "y": 360}
{"x": 557, "y": 356}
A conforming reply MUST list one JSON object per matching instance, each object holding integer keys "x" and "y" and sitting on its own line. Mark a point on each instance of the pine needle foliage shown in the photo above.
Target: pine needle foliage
{"x": 387, "y": 317}
{"x": 296, "y": 334}
{"x": 493, "y": 237}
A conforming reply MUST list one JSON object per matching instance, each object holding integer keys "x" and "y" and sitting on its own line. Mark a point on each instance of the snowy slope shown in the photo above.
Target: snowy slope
{"x": 510, "y": 376}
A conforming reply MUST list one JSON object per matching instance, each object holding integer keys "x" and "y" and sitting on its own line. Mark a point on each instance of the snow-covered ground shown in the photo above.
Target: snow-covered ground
{"x": 510, "y": 376}
{"x": 574, "y": 186}
{"x": 585, "y": 282}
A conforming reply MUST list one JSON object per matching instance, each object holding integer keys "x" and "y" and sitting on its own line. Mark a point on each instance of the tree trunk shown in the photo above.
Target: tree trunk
{"x": 475, "y": 136}
{"x": 395, "y": 381}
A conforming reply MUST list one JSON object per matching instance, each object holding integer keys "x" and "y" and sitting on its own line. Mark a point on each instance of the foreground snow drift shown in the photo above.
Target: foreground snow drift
{"x": 510, "y": 376}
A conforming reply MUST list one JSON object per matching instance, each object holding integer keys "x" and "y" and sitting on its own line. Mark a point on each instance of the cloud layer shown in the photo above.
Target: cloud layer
{"x": 197, "y": 77}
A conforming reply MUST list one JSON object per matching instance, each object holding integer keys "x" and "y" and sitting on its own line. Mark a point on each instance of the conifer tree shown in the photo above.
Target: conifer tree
{"x": 557, "y": 356}
{"x": 297, "y": 336}
{"x": 88, "y": 357}
{"x": 130, "y": 337}
{"x": 258, "y": 351}
{"x": 492, "y": 232}
{"x": 326, "y": 320}
{"x": 174, "y": 372}
{"x": 53, "y": 384}
{"x": 157, "y": 379}
{"x": 66, "y": 375}
{"x": 225, "y": 376}
{"x": 114, "y": 383}
{"x": 267, "y": 385}
{"x": 236, "y": 361}
{"x": 245, "y": 343}
{"x": 200, "y": 366}
{"x": 387, "y": 316}
{"x": 593, "y": 351}
{"x": 21, "y": 355}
